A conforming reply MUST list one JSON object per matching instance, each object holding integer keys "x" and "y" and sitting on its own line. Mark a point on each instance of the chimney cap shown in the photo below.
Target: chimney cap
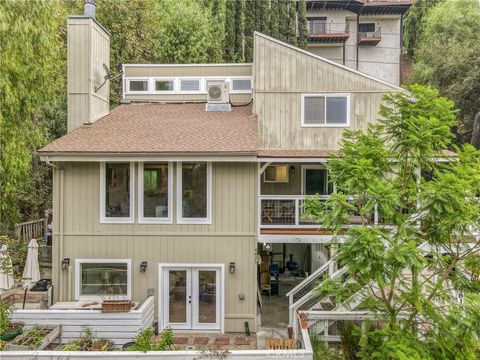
{"x": 90, "y": 8}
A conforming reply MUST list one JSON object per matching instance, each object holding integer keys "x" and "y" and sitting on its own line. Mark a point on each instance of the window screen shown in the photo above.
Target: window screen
{"x": 241, "y": 84}
{"x": 325, "y": 110}
{"x": 336, "y": 110}
{"x": 314, "y": 108}
{"x": 190, "y": 85}
{"x": 138, "y": 85}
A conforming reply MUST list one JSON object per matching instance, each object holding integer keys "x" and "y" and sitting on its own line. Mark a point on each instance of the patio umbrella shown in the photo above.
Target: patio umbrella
{"x": 31, "y": 273}
{"x": 6, "y": 271}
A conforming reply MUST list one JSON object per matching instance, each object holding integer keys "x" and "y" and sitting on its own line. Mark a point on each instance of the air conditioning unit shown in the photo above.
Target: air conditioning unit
{"x": 218, "y": 92}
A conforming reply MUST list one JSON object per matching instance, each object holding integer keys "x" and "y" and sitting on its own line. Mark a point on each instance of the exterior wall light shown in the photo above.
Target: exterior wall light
{"x": 65, "y": 263}
{"x": 232, "y": 268}
{"x": 143, "y": 266}
{"x": 292, "y": 169}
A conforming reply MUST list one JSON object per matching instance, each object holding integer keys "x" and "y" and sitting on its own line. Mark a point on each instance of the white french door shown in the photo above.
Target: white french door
{"x": 191, "y": 297}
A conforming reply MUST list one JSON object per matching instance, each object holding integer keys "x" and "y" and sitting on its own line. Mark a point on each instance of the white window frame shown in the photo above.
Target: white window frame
{"x": 117, "y": 220}
{"x": 302, "y": 115}
{"x": 314, "y": 167}
{"x": 147, "y": 79}
{"x": 274, "y": 181}
{"x": 155, "y": 220}
{"x": 78, "y": 262}
{"x": 155, "y": 91}
{"x": 180, "y": 218}
{"x": 176, "y": 84}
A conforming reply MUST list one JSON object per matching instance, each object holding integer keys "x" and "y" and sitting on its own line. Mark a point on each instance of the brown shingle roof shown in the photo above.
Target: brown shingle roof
{"x": 163, "y": 128}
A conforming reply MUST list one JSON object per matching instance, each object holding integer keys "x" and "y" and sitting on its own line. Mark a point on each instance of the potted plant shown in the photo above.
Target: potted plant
{"x": 8, "y": 329}
{"x": 303, "y": 319}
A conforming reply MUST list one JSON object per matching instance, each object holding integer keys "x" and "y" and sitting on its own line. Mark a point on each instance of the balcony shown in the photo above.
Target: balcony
{"x": 370, "y": 38}
{"x": 283, "y": 214}
{"x": 319, "y": 31}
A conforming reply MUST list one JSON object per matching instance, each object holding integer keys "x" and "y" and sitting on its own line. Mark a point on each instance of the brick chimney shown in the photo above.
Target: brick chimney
{"x": 88, "y": 53}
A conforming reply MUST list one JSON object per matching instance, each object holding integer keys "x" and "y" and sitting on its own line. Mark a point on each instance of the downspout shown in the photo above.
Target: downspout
{"x": 358, "y": 29}
{"x": 61, "y": 201}
{"x": 401, "y": 51}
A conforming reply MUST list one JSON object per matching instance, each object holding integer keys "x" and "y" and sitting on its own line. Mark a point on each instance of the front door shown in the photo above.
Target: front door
{"x": 191, "y": 297}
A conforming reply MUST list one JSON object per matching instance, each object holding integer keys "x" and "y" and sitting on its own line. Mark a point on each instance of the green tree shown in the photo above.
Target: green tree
{"x": 30, "y": 61}
{"x": 262, "y": 15}
{"x": 283, "y": 20}
{"x": 135, "y": 35}
{"x": 186, "y": 33}
{"x": 275, "y": 19}
{"x": 229, "y": 52}
{"x": 414, "y": 23}
{"x": 251, "y": 9}
{"x": 302, "y": 24}
{"x": 238, "y": 39}
{"x": 292, "y": 23}
{"x": 407, "y": 266}
{"x": 447, "y": 58}
{"x": 217, "y": 14}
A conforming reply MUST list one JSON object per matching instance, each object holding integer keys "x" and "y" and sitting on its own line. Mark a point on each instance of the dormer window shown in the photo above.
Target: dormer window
{"x": 325, "y": 110}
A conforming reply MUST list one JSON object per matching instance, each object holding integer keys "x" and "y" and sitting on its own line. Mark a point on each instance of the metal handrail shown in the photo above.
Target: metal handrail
{"x": 324, "y": 27}
{"x": 377, "y": 34}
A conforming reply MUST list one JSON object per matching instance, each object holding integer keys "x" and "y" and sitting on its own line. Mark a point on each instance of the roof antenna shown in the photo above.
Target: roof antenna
{"x": 107, "y": 76}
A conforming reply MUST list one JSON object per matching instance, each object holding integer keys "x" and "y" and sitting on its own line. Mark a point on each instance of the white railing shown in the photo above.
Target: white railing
{"x": 286, "y": 211}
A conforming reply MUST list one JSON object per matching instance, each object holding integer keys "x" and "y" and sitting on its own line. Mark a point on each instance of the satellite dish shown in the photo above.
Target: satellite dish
{"x": 107, "y": 71}
{"x": 106, "y": 77}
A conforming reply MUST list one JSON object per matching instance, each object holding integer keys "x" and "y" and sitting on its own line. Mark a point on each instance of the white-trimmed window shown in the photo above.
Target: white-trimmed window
{"x": 116, "y": 192}
{"x": 190, "y": 85}
{"x": 103, "y": 279}
{"x": 325, "y": 110}
{"x": 164, "y": 85}
{"x": 138, "y": 85}
{"x": 155, "y": 192}
{"x": 276, "y": 174}
{"x": 241, "y": 85}
{"x": 194, "y": 192}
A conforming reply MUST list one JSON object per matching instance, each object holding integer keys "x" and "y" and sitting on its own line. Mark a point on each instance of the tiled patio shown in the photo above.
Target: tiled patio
{"x": 206, "y": 341}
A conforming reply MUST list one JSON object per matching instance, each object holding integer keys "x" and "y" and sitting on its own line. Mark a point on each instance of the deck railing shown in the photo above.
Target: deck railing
{"x": 286, "y": 211}
{"x": 34, "y": 229}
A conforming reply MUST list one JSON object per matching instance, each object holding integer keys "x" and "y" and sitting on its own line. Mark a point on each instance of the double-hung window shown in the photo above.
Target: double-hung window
{"x": 116, "y": 192}
{"x": 103, "y": 278}
{"x": 325, "y": 110}
{"x": 155, "y": 193}
{"x": 194, "y": 189}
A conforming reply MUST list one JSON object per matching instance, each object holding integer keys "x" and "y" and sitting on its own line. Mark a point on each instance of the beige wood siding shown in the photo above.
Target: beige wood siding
{"x": 188, "y": 70}
{"x": 88, "y": 49}
{"x": 282, "y": 74}
{"x": 230, "y": 237}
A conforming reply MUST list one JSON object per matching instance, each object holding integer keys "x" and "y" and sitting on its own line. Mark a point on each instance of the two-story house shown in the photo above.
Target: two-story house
{"x": 365, "y": 35}
{"x": 192, "y": 189}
